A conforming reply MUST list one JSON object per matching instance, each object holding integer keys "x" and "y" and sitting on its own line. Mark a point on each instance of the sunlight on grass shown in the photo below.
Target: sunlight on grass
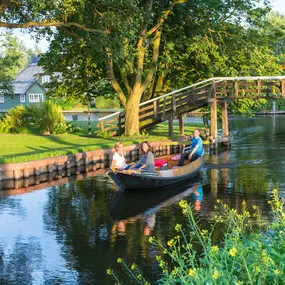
{"x": 20, "y": 148}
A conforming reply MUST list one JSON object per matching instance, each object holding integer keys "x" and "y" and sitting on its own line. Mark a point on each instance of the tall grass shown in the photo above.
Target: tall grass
{"x": 251, "y": 251}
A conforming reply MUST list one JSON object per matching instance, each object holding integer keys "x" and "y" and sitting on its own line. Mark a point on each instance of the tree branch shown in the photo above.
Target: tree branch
{"x": 140, "y": 45}
{"x": 111, "y": 75}
{"x": 51, "y": 24}
{"x": 156, "y": 45}
{"x": 164, "y": 16}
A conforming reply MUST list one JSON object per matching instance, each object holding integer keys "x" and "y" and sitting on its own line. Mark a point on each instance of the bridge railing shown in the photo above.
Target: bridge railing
{"x": 195, "y": 96}
{"x": 159, "y": 108}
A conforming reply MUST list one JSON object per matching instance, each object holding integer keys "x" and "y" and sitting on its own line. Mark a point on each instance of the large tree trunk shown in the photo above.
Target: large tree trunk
{"x": 132, "y": 114}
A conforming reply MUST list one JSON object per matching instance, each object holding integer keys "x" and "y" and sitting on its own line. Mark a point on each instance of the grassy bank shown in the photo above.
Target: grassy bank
{"x": 22, "y": 148}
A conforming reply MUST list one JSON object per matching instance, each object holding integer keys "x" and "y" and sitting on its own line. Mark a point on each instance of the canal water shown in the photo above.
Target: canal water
{"x": 70, "y": 234}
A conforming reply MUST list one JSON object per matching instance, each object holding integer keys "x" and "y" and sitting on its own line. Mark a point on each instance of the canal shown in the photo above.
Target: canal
{"x": 70, "y": 234}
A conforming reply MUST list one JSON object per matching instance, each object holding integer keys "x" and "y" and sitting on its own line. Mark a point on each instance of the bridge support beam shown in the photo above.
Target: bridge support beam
{"x": 181, "y": 125}
{"x": 170, "y": 126}
{"x": 214, "y": 120}
{"x": 225, "y": 121}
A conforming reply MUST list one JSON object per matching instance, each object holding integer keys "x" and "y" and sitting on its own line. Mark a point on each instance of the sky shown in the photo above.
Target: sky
{"x": 278, "y": 5}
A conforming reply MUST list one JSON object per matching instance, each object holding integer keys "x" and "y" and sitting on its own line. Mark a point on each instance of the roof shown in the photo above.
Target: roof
{"x": 29, "y": 73}
{"x": 26, "y": 78}
{"x": 21, "y": 87}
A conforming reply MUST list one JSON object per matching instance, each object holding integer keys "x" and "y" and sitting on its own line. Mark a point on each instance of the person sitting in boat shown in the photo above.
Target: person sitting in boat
{"x": 196, "y": 149}
{"x": 147, "y": 160}
{"x": 119, "y": 161}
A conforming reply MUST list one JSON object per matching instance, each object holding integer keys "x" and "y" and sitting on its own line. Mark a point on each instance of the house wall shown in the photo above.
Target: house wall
{"x": 35, "y": 89}
{"x": 11, "y": 102}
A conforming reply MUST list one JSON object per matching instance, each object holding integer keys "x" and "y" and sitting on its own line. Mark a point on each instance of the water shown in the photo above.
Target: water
{"x": 70, "y": 234}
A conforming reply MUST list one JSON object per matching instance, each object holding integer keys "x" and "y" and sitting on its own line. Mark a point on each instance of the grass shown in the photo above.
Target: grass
{"x": 21, "y": 148}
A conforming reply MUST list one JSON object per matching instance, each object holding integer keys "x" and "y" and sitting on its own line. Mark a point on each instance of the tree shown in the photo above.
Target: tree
{"x": 13, "y": 58}
{"x": 149, "y": 47}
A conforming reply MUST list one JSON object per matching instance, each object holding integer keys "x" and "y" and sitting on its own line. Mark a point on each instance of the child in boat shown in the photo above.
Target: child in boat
{"x": 119, "y": 161}
{"x": 147, "y": 159}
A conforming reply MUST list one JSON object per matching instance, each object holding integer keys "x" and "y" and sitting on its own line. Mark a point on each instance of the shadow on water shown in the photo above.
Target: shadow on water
{"x": 125, "y": 205}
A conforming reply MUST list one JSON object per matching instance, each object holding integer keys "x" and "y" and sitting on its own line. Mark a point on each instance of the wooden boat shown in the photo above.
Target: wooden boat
{"x": 140, "y": 180}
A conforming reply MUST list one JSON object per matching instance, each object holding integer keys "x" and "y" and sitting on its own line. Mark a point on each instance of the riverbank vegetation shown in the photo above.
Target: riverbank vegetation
{"x": 249, "y": 250}
{"x": 23, "y": 147}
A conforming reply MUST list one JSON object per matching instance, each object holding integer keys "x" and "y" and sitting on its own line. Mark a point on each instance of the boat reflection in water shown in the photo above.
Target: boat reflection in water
{"x": 129, "y": 207}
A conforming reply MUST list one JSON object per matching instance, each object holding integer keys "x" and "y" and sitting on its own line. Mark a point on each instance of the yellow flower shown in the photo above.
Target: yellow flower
{"x": 192, "y": 272}
{"x": 170, "y": 243}
{"x": 133, "y": 266}
{"x": 277, "y": 272}
{"x": 183, "y": 204}
{"x": 119, "y": 260}
{"x": 215, "y": 248}
{"x": 150, "y": 239}
{"x": 232, "y": 251}
{"x": 215, "y": 274}
{"x": 109, "y": 271}
{"x": 178, "y": 227}
{"x": 256, "y": 269}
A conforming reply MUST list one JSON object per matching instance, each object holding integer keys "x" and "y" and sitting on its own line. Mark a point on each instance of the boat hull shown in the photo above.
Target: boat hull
{"x": 134, "y": 180}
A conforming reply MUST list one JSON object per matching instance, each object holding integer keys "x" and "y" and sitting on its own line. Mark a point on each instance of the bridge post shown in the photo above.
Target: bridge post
{"x": 225, "y": 122}
{"x": 170, "y": 126}
{"x": 181, "y": 125}
{"x": 214, "y": 120}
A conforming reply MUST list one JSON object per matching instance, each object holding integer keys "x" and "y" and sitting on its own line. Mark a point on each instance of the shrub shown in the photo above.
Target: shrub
{"x": 107, "y": 103}
{"x": 50, "y": 117}
{"x": 37, "y": 119}
{"x": 250, "y": 252}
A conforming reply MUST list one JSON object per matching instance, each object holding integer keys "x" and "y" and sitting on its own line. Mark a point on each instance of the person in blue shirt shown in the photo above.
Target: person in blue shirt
{"x": 196, "y": 149}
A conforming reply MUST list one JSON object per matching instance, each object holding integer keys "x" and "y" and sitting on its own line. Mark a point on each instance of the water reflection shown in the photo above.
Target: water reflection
{"x": 70, "y": 233}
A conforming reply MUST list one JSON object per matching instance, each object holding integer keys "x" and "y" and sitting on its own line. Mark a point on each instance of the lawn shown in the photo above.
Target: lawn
{"x": 21, "y": 148}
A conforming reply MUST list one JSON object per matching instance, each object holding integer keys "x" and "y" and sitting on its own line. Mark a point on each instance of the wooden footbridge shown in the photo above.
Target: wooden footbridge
{"x": 211, "y": 92}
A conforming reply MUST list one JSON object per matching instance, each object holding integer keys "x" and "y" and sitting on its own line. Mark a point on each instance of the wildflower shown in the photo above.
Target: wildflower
{"x": 215, "y": 274}
{"x": 183, "y": 204}
{"x": 204, "y": 232}
{"x": 277, "y": 272}
{"x": 133, "y": 267}
{"x": 119, "y": 260}
{"x": 233, "y": 251}
{"x": 178, "y": 227}
{"x": 192, "y": 272}
{"x": 256, "y": 269}
{"x": 170, "y": 243}
{"x": 215, "y": 248}
{"x": 109, "y": 271}
{"x": 150, "y": 239}
{"x": 139, "y": 276}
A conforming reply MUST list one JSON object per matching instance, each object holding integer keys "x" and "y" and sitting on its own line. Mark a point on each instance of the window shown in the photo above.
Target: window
{"x": 45, "y": 79}
{"x": 22, "y": 98}
{"x": 1, "y": 98}
{"x": 36, "y": 98}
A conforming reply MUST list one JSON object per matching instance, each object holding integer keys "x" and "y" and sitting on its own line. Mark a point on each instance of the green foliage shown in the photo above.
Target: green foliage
{"x": 250, "y": 252}
{"x": 103, "y": 134}
{"x": 50, "y": 116}
{"x": 107, "y": 103}
{"x": 13, "y": 58}
{"x": 42, "y": 118}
